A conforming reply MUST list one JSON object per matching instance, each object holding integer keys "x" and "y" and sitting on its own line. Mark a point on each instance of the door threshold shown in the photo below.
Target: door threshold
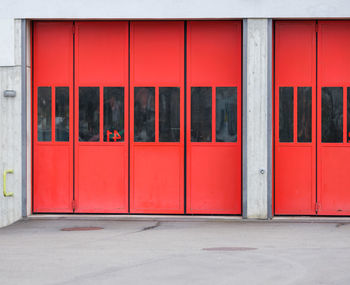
{"x": 131, "y": 217}
{"x": 187, "y": 218}
{"x": 138, "y": 217}
{"x": 312, "y": 219}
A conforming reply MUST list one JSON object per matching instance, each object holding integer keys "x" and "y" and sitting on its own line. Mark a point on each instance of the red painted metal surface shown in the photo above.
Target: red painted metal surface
{"x": 101, "y": 167}
{"x": 52, "y": 160}
{"x": 295, "y": 162}
{"x": 333, "y": 167}
{"x": 213, "y": 168}
{"x": 100, "y": 56}
{"x": 156, "y": 168}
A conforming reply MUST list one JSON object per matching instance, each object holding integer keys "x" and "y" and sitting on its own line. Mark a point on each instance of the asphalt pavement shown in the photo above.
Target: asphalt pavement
{"x": 98, "y": 250}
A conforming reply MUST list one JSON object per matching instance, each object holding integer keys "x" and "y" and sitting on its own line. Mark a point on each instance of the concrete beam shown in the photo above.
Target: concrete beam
{"x": 257, "y": 117}
{"x": 173, "y": 9}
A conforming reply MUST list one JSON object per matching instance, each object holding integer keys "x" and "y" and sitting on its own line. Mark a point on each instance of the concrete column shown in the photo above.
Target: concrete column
{"x": 257, "y": 119}
{"x": 10, "y": 133}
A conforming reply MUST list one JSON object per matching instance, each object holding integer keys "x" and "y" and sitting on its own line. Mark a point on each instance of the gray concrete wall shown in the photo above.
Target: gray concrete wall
{"x": 10, "y": 134}
{"x": 256, "y": 145}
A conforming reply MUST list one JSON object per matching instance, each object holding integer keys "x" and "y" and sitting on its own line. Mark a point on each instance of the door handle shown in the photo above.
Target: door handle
{"x": 7, "y": 194}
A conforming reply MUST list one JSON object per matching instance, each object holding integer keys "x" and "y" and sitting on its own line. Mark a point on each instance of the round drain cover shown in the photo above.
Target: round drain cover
{"x": 228, "y": 248}
{"x": 81, "y": 229}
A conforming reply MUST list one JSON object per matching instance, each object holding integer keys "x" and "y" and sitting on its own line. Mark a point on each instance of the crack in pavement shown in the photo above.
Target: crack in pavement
{"x": 156, "y": 225}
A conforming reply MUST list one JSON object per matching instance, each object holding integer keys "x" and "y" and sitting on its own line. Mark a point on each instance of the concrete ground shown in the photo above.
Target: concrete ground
{"x": 181, "y": 251}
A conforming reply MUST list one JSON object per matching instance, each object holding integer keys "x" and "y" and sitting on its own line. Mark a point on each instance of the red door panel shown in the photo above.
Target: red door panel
{"x": 156, "y": 117}
{"x": 53, "y": 117}
{"x": 158, "y": 189}
{"x": 295, "y": 144}
{"x": 101, "y": 108}
{"x": 333, "y": 155}
{"x": 213, "y": 117}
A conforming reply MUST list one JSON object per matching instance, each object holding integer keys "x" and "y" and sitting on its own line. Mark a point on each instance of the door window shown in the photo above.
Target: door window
{"x": 113, "y": 114}
{"x": 304, "y": 114}
{"x": 169, "y": 114}
{"x": 62, "y": 114}
{"x": 144, "y": 114}
{"x": 89, "y": 114}
{"x": 226, "y": 114}
{"x": 332, "y": 114}
{"x": 44, "y": 114}
{"x": 201, "y": 109}
{"x": 286, "y": 111}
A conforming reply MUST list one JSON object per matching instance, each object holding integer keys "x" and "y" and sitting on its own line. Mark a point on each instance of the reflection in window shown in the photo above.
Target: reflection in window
{"x": 332, "y": 114}
{"x": 226, "y": 114}
{"x": 62, "y": 114}
{"x": 44, "y": 114}
{"x": 113, "y": 114}
{"x": 169, "y": 114}
{"x": 89, "y": 114}
{"x": 201, "y": 114}
{"x": 304, "y": 114}
{"x": 144, "y": 114}
{"x": 286, "y": 108}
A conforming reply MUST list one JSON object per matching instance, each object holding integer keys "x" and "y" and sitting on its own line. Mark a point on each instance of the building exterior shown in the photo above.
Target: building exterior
{"x": 174, "y": 107}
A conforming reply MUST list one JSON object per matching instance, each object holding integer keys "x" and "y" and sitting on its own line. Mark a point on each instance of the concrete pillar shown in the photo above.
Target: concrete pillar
{"x": 257, "y": 119}
{"x": 11, "y": 133}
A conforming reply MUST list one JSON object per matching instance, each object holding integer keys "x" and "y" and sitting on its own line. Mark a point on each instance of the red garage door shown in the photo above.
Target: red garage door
{"x": 301, "y": 116}
{"x": 214, "y": 117}
{"x": 157, "y": 117}
{"x": 53, "y": 117}
{"x": 295, "y": 117}
{"x": 85, "y": 161}
{"x": 333, "y": 113}
{"x": 101, "y": 117}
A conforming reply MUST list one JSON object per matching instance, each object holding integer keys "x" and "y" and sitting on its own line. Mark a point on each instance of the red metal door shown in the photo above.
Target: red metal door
{"x": 333, "y": 150}
{"x": 295, "y": 117}
{"x": 52, "y": 117}
{"x": 101, "y": 120}
{"x": 214, "y": 117}
{"x": 157, "y": 117}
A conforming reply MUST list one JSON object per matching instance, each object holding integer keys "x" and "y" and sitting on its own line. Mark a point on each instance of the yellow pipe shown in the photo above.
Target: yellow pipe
{"x": 7, "y": 194}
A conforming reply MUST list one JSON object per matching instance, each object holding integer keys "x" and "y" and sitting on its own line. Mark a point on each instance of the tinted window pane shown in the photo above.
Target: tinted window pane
{"x": 89, "y": 114}
{"x": 144, "y": 114}
{"x": 113, "y": 114}
{"x": 348, "y": 111}
{"x": 169, "y": 114}
{"x": 226, "y": 114}
{"x": 286, "y": 108}
{"x": 201, "y": 114}
{"x": 304, "y": 114}
{"x": 332, "y": 114}
{"x": 44, "y": 114}
{"x": 62, "y": 114}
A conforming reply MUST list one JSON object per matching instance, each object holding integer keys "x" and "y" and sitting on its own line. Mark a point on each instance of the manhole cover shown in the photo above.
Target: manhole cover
{"x": 81, "y": 229}
{"x": 228, "y": 248}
